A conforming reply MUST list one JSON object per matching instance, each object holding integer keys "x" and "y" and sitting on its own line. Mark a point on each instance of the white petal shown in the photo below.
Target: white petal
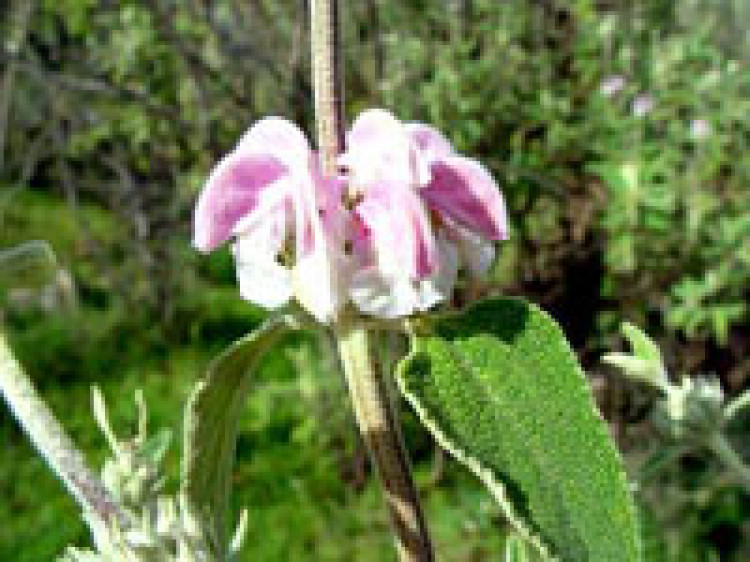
{"x": 388, "y": 296}
{"x": 439, "y": 286}
{"x": 432, "y": 143}
{"x": 477, "y": 253}
{"x": 317, "y": 285}
{"x": 317, "y": 275}
{"x": 384, "y": 298}
{"x": 262, "y": 279}
{"x": 399, "y": 231}
{"x": 266, "y": 283}
{"x": 379, "y": 148}
{"x": 428, "y": 295}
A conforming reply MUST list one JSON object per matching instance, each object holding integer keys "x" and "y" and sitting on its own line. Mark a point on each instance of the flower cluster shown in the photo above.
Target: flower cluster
{"x": 389, "y": 233}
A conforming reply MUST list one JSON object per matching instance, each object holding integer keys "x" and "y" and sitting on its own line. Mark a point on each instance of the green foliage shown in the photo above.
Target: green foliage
{"x": 658, "y": 197}
{"x": 695, "y": 472}
{"x": 500, "y": 388}
{"x": 118, "y": 109}
{"x": 32, "y": 263}
{"x": 155, "y": 526}
{"x": 296, "y": 469}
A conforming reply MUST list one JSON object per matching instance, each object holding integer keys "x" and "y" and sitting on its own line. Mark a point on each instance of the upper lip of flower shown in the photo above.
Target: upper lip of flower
{"x": 415, "y": 166}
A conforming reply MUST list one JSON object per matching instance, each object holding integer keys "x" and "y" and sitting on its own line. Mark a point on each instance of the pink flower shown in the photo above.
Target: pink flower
{"x": 699, "y": 129}
{"x": 612, "y": 85}
{"x": 269, "y": 195}
{"x": 642, "y": 105}
{"x": 421, "y": 211}
{"x": 390, "y": 234}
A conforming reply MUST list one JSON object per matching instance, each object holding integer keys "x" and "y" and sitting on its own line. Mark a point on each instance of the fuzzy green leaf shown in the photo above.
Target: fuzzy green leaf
{"x": 499, "y": 387}
{"x": 211, "y": 425}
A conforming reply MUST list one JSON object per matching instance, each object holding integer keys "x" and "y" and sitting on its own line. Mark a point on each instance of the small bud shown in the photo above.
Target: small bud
{"x": 645, "y": 363}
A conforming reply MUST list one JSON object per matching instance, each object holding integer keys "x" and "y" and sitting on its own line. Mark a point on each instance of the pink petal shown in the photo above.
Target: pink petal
{"x": 431, "y": 142}
{"x": 396, "y": 224}
{"x": 464, "y": 191}
{"x": 281, "y": 138}
{"x": 379, "y": 147}
{"x": 232, "y": 191}
{"x": 373, "y": 125}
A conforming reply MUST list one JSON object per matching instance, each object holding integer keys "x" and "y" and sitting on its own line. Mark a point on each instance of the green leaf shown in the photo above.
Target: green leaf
{"x": 211, "y": 425}
{"x": 499, "y": 387}
{"x": 643, "y": 346}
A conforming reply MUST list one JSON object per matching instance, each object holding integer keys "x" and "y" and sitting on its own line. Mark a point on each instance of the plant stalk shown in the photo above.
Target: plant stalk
{"x": 325, "y": 40}
{"x": 375, "y": 412}
{"x": 367, "y": 387}
{"x": 51, "y": 440}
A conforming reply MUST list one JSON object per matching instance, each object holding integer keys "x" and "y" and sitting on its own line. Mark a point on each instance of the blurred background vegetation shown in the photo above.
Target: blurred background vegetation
{"x": 618, "y": 130}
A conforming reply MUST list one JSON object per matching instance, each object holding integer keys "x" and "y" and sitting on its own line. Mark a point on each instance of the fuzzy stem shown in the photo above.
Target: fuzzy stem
{"x": 367, "y": 387}
{"x": 375, "y": 414}
{"x": 50, "y": 439}
{"x": 327, "y": 75}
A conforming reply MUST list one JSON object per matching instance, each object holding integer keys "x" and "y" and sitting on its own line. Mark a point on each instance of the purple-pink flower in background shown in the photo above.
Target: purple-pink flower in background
{"x": 699, "y": 129}
{"x": 642, "y": 105}
{"x": 612, "y": 85}
{"x": 389, "y": 234}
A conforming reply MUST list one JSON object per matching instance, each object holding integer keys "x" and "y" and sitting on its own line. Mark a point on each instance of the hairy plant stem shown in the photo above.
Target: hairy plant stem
{"x": 378, "y": 423}
{"x": 367, "y": 387}
{"x": 327, "y": 83}
{"x": 52, "y": 442}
